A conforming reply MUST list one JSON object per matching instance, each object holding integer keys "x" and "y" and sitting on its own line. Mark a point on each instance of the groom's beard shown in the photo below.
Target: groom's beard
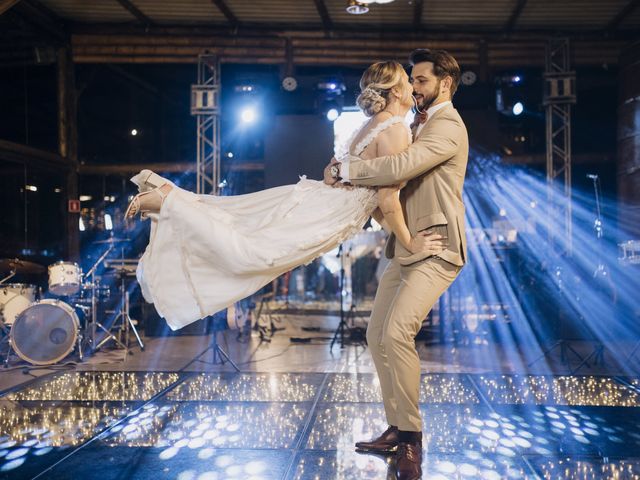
{"x": 423, "y": 102}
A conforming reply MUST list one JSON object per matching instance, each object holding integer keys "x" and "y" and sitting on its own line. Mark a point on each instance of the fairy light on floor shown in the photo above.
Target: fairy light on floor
{"x": 434, "y": 388}
{"x": 246, "y": 388}
{"x": 559, "y": 390}
{"x": 107, "y": 386}
{"x": 595, "y": 469}
{"x": 250, "y": 422}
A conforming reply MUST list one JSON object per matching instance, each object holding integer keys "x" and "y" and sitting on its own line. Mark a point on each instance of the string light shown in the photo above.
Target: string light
{"x": 560, "y": 390}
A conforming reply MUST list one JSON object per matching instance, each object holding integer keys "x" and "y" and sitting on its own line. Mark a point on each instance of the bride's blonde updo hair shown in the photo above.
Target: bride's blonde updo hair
{"x": 375, "y": 85}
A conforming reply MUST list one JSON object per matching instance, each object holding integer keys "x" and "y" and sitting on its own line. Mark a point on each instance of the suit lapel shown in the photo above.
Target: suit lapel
{"x": 435, "y": 115}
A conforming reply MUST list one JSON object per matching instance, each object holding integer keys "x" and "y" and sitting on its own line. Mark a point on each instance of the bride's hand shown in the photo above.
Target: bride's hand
{"x": 427, "y": 243}
{"x": 328, "y": 179}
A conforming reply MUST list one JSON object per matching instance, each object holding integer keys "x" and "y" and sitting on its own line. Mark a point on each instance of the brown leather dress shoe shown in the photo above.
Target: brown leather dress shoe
{"x": 385, "y": 443}
{"x": 409, "y": 461}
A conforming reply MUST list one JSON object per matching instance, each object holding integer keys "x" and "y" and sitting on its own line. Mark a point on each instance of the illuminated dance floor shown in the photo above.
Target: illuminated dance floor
{"x": 199, "y": 426}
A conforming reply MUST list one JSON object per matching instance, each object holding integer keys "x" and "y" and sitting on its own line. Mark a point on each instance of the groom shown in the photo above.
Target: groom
{"x": 434, "y": 167}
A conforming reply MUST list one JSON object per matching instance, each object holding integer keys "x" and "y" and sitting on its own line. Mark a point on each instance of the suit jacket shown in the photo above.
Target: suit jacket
{"x": 434, "y": 167}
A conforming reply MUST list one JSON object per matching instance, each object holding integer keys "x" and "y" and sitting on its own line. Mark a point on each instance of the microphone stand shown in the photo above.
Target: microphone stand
{"x": 343, "y": 324}
{"x": 600, "y": 272}
{"x": 347, "y": 334}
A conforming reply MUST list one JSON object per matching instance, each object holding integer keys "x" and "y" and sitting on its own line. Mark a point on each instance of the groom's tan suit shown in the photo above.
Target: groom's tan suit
{"x": 434, "y": 166}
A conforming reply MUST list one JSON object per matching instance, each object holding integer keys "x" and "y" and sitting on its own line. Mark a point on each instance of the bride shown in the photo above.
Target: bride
{"x": 206, "y": 252}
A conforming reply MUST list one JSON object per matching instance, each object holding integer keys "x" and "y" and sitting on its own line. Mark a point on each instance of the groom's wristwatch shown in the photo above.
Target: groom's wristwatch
{"x": 335, "y": 171}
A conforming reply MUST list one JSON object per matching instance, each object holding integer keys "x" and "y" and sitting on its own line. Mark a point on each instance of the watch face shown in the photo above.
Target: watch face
{"x": 335, "y": 171}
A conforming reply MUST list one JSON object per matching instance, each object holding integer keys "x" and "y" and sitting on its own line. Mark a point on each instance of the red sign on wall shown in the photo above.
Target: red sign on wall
{"x": 74, "y": 206}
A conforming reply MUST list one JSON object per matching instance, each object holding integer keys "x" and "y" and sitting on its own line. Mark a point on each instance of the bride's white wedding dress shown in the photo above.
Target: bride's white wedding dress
{"x": 206, "y": 252}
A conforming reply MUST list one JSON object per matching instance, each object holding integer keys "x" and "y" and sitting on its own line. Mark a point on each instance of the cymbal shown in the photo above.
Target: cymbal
{"x": 112, "y": 240}
{"x": 20, "y": 266}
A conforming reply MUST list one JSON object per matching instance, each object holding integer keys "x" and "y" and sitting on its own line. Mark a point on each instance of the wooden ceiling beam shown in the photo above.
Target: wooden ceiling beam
{"x": 136, "y": 12}
{"x": 627, "y": 10}
{"x": 449, "y": 32}
{"x": 24, "y": 154}
{"x": 515, "y": 15}
{"x": 226, "y": 11}
{"x": 331, "y": 51}
{"x": 6, "y": 5}
{"x": 321, "y": 6}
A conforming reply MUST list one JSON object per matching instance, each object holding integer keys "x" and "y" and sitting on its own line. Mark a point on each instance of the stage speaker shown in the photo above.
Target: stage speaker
{"x": 156, "y": 326}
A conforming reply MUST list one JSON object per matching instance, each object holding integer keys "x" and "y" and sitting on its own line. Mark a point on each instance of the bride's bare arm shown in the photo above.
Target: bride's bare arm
{"x": 389, "y": 212}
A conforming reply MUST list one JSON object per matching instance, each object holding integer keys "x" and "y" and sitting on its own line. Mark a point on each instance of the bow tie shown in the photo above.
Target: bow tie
{"x": 418, "y": 119}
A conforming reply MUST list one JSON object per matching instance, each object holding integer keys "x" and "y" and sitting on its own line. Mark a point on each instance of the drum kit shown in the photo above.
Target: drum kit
{"x": 43, "y": 331}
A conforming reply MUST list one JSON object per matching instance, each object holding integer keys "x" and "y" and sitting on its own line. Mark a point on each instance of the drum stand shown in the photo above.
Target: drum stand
{"x": 4, "y": 331}
{"x": 81, "y": 338}
{"x": 91, "y": 326}
{"x": 126, "y": 320}
{"x": 11, "y": 275}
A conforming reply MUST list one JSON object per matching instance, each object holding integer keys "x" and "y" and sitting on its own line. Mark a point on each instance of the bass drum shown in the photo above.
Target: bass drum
{"x": 45, "y": 332}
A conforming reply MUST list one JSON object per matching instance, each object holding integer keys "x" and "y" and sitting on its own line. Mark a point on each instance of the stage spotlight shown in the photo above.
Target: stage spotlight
{"x": 248, "y": 115}
{"x": 85, "y": 198}
{"x": 57, "y": 190}
{"x": 518, "y": 108}
{"x": 31, "y": 188}
{"x": 330, "y": 98}
{"x": 332, "y": 87}
{"x": 245, "y": 88}
{"x": 230, "y": 154}
{"x": 108, "y": 223}
{"x": 134, "y": 132}
{"x": 333, "y": 114}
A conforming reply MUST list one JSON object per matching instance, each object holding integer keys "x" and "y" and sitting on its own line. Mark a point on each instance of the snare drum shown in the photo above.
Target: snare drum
{"x": 64, "y": 278}
{"x": 14, "y": 299}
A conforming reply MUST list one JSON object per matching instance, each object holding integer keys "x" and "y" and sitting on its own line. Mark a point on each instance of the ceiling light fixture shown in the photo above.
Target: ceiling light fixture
{"x": 356, "y": 8}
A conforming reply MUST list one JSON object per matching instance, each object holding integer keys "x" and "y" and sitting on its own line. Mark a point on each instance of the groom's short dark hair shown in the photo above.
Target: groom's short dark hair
{"x": 443, "y": 64}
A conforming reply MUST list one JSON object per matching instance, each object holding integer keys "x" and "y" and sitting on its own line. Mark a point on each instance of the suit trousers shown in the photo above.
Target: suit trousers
{"x": 405, "y": 296}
